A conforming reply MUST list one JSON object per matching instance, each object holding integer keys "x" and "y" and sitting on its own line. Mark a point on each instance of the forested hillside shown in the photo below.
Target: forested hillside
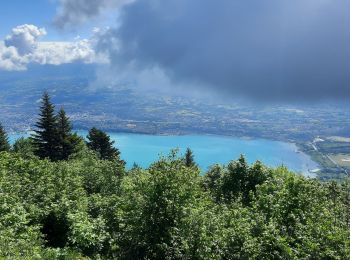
{"x": 63, "y": 197}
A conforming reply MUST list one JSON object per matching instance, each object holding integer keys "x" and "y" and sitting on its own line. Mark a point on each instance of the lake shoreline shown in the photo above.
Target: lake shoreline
{"x": 194, "y": 133}
{"x": 208, "y": 149}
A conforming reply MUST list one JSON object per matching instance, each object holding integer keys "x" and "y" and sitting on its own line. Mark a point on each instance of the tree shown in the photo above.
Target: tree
{"x": 157, "y": 205}
{"x": 4, "y": 143}
{"x": 67, "y": 141}
{"x": 24, "y": 147}
{"x": 212, "y": 181}
{"x": 64, "y": 126}
{"x": 234, "y": 179}
{"x": 45, "y": 138}
{"x": 100, "y": 142}
{"x": 189, "y": 158}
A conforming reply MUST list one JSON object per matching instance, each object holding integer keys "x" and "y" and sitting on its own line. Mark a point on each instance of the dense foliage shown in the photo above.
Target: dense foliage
{"x": 88, "y": 207}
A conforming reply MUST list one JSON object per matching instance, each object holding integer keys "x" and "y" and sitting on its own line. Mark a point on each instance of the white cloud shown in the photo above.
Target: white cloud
{"x": 24, "y": 38}
{"x": 22, "y": 47}
{"x": 65, "y": 52}
{"x": 9, "y": 58}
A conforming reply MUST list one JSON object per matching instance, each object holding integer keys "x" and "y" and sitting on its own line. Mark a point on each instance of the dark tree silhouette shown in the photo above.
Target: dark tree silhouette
{"x": 66, "y": 140}
{"x": 100, "y": 142}
{"x": 45, "y": 137}
{"x": 4, "y": 142}
{"x": 189, "y": 158}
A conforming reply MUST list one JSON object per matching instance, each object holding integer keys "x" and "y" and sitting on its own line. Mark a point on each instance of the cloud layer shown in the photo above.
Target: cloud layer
{"x": 72, "y": 13}
{"x": 274, "y": 49}
{"x": 23, "y": 47}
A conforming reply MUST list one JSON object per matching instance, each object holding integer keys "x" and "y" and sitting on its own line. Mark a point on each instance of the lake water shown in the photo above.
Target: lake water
{"x": 208, "y": 150}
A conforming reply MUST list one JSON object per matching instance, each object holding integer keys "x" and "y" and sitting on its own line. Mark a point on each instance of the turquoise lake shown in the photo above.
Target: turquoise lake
{"x": 208, "y": 150}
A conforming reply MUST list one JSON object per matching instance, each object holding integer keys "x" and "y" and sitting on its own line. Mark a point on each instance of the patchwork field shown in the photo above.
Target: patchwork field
{"x": 342, "y": 160}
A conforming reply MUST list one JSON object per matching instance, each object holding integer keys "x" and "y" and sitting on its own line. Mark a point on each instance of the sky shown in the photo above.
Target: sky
{"x": 263, "y": 50}
{"x": 17, "y": 12}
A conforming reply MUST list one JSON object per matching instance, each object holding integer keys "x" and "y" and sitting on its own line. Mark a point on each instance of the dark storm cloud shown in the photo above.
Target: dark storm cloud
{"x": 265, "y": 49}
{"x": 71, "y": 13}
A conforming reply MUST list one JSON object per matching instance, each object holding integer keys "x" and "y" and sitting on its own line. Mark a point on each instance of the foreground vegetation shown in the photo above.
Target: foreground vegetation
{"x": 62, "y": 197}
{"x": 91, "y": 207}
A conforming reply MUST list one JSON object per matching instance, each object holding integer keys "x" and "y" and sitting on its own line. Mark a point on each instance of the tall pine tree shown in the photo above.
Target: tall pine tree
{"x": 45, "y": 137}
{"x": 4, "y": 143}
{"x": 100, "y": 142}
{"x": 66, "y": 140}
{"x": 189, "y": 158}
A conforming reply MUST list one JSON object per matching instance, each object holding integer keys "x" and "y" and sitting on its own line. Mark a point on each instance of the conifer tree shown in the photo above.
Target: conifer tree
{"x": 189, "y": 158}
{"x": 100, "y": 142}
{"x": 64, "y": 126}
{"x": 4, "y": 143}
{"x": 66, "y": 140}
{"x": 45, "y": 138}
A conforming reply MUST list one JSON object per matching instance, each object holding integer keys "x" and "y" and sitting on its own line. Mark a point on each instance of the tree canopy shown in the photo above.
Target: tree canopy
{"x": 53, "y": 137}
{"x": 45, "y": 135}
{"x": 101, "y": 143}
{"x": 89, "y": 207}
